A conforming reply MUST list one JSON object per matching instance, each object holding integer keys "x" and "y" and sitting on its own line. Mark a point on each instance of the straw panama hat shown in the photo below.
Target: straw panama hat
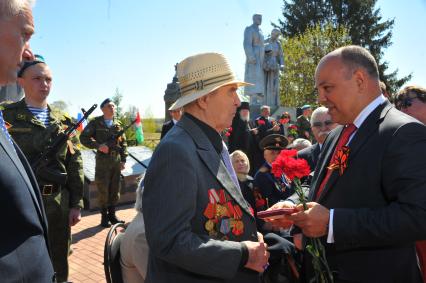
{"x": 201, "y": 74}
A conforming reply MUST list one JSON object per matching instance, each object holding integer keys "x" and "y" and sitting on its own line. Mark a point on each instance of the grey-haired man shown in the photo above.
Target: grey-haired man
{"x": 198, "y": 225}
{"x": 24, "y": 255}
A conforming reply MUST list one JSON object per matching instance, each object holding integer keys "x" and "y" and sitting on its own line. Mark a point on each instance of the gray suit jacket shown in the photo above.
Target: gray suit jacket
{"x": 182, "y": 170}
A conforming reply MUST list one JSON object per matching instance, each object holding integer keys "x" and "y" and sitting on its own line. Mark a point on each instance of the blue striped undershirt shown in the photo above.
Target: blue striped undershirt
{"x": 41, "y": 114}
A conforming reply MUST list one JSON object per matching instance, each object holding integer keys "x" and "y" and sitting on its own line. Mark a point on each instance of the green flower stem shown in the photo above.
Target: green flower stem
{"x": 315, "y": 248}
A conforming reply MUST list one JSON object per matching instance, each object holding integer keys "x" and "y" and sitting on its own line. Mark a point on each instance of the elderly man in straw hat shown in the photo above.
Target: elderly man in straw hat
{"x": 198, "y": 226}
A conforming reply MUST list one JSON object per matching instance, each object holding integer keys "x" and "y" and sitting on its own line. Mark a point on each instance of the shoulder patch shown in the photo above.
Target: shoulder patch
{"x": 263, "y": 169}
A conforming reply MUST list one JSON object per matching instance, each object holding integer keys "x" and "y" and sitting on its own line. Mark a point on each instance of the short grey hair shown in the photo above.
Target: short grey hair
{"x": 300, "y": 144}
{"x": 265, "y": 107}
{"x": 316, "y": 112}
{"x": 11, "y": 8}
{"x": 354, "y": 57}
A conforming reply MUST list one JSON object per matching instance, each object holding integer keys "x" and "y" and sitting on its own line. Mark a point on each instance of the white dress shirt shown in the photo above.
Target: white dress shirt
{"x": 359, "y": 120}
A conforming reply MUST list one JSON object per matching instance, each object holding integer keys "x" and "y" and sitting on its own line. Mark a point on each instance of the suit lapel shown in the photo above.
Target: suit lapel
{"x": 10, "y": 151}
{"x": 326, "y": 154}
{"x": 213, "y": 162}
{"x": 368, "y": 127}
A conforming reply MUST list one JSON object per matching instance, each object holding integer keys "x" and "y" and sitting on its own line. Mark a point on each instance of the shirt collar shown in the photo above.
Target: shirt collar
{"x": 174, "y": 121}
{"x": 368, "y": 109}
{"x": 212, "y": 135}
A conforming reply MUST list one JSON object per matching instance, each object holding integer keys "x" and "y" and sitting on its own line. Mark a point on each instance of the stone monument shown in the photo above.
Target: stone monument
{"x": 272, "y": 65}
{"x": 254, "y": 49}
{"x": 171, "y": 94}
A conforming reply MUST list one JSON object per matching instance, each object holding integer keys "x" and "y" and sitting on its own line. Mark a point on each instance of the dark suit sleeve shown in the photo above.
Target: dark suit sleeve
{"x": 163, "y": 131}
{"x": 169, "y": 207}
{"x": 403, "y": 185}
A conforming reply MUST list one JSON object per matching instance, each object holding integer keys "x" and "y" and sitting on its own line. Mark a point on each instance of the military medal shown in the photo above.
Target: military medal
{"x": 225, "y": 226}
{"x": 210, "y": 211}
{"x": 209, "y": 225}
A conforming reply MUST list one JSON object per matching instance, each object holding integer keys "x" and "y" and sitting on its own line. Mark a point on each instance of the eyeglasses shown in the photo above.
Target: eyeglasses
{"x": 321, "y": 124}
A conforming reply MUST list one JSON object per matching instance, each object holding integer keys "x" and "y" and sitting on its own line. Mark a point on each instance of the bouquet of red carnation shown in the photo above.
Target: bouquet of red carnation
{"x": 295, "y": 169}
{"x": 227, "y": 132}
{"x": 292, "y": 130}
{"x": 260, "y": 122}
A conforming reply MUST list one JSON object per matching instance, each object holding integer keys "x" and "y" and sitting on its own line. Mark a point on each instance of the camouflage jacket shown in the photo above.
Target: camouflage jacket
{"x": 33, "y": 137}
{"x": 97, "y": 133}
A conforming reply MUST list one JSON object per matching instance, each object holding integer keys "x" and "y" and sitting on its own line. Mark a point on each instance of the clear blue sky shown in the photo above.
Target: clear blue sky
{"x": 95, "y": 46}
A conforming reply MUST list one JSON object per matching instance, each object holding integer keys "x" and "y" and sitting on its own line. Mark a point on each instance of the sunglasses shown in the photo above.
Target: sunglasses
{"x": 404, "y": 103}
{"x": 321, "y": 124}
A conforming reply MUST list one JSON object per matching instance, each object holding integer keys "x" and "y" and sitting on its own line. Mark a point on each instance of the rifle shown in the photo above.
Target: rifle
{"x": 40, "y": 164}
{"x": 137, "y": 160}
{"x": 112, "y": 142}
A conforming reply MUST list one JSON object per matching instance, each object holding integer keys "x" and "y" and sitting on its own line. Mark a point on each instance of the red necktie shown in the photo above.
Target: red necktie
{"x": 343, "y": 140}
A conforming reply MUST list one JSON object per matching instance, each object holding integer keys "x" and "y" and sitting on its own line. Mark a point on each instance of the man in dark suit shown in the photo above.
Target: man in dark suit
{"x": 198, "y": 226}
{"x": 321, "y": 124}
{"x": 303, "y": 126}
{"x": 368, "y": 194}
{"x": 175, "y": 114}
{"x": 24, "y": 255}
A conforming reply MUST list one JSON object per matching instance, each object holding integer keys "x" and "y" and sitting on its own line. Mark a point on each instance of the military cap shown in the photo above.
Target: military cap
{"x": 273, "y": 142}
{"x": 106, "y": 101}
{"x": 306, "y": 106}
{"x": 245, "y": 105}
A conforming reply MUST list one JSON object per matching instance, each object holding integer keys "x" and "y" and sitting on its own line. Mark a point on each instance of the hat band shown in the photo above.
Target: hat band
{"x": 201, "y": 84}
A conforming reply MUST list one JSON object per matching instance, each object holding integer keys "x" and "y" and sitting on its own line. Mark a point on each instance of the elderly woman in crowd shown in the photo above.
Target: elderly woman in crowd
{"x": 134, "y": 247}
{"x": 241, "y": 165}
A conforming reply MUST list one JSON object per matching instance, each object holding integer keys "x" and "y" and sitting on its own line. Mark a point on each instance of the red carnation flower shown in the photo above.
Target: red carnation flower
{"x": 260, "y": 122}
{"x": 291, "y": 167}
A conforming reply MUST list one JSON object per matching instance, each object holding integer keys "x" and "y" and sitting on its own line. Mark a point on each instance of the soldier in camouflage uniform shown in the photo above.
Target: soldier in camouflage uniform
{"x": 61, "y": 178}
{"x": 110, "y": 159}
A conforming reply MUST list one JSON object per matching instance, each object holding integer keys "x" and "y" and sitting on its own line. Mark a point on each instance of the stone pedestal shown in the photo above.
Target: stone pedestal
{"x": 171, "y": 94}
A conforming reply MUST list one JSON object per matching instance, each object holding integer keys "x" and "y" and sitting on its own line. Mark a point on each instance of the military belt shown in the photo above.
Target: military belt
{"x": 112, "y": 153}
{"x": 50, "y": 189}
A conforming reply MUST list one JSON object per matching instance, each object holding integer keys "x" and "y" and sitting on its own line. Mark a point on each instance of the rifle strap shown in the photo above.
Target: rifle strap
{"x": 70, "y": 147}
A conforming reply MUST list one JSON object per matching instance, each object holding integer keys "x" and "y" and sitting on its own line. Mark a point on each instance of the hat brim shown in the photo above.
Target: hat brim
{"x": 184, "y": 100}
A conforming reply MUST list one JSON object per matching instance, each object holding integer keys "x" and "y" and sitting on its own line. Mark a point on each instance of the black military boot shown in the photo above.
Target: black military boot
{"x": 104, "y": 218}
{"x": 112, "y": 217}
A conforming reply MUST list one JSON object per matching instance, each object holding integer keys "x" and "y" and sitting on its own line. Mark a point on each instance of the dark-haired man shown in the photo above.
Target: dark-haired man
{"x": 368, "y": 194}
{"x": 34, "y": 126}
{"x": 110, "y": 159}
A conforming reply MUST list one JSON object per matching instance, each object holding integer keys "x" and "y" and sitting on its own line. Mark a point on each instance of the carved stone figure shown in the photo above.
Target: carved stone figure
{"x": 254, "y": 49}
{"x": 272, "y": 65}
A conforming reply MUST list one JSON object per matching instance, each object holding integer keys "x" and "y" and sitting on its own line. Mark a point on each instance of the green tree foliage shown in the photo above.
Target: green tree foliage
{"x": 363, "y": 21}
{"x": 59, "y": 106}
{"x": 148, "y": 122}
{"x": 117, "y": 99}
{"x": 302, "y": 54}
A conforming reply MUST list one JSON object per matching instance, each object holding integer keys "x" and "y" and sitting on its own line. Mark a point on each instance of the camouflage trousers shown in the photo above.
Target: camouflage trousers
{"x": 107, "y": 178}
{"x": 59, "y": 231}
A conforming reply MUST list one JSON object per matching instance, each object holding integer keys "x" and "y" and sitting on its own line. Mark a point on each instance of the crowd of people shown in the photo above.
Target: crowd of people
{"x": 197, "y": 206}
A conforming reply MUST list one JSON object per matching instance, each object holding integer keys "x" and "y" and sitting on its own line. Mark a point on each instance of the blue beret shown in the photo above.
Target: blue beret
{"x": 106, "y": 101}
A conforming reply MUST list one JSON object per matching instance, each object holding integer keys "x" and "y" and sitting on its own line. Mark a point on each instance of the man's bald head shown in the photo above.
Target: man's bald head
{"x": 347, "y": 80}
{"x": 354, "y": 57}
